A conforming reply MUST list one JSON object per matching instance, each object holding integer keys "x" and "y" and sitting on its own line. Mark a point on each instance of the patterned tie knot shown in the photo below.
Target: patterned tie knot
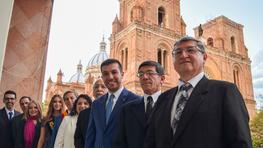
{"x": 185, "y": 87}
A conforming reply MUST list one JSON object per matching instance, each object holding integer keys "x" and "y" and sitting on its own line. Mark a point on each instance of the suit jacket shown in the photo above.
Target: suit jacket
{"x": 98, "y": 133}
{"x": 82, "y": 125}
{"x": 6, "y": 129}
{"x": 215, "y": 116}
{"x": 131, "y": 126}
{"x": 18, "y": 125}
{"x": 18, "y": 130}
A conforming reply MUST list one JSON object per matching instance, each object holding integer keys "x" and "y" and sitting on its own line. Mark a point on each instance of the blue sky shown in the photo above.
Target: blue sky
{"x": 78, "y": 26}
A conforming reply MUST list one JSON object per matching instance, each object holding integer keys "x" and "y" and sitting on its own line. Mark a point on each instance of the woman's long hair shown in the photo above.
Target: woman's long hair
{"x": 51, "y": 110}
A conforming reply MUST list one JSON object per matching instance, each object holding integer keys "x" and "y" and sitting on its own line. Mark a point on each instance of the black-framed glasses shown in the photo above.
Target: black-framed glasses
{"x": 147, "y": 73}
{"x": 189, "y": 50}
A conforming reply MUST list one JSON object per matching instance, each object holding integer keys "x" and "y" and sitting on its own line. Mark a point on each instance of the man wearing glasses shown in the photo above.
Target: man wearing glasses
{"x": 133, "y": 117}
{"x": 198, "y": 113}
{"x": 6, "y": 116}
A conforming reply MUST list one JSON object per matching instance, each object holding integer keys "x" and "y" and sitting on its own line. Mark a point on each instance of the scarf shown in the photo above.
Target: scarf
{"x": 29, "y": 132}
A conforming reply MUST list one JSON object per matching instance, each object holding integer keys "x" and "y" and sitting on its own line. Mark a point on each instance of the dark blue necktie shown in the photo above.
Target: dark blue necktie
{"x": 109, "y": 107}
{"x": 10, "y": 115}
{"x": 181, "y": 104}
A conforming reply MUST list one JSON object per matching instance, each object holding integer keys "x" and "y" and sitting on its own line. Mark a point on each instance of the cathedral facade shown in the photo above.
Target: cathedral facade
{"x": 147, "y": 30}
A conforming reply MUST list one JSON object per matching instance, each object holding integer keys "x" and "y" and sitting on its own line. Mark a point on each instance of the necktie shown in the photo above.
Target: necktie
{"x": 10, "y": 115}
{"x": 109, "y": 107}
{"x": 149, "y": 106}
{"x": 181, "y": 104}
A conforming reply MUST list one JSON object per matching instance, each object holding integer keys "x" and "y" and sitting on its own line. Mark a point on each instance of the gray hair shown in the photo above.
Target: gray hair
{"x": 199, "y": 43}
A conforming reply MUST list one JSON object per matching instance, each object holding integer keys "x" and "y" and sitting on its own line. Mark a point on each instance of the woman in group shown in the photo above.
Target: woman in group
{"x": 32, "y": 125}
{"x": 65, "y": 136}
{"x": 51, "y": 122}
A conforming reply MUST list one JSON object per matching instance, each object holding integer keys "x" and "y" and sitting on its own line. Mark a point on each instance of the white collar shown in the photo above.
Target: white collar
{"x": 116, "y": 93}
{"x": 192, "y": 81}
{"x": 154, "y": 96}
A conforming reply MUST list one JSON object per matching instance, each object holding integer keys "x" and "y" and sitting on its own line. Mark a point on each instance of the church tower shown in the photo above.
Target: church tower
{"x": 228, "y": 56}
{"x": 146, "y": 30}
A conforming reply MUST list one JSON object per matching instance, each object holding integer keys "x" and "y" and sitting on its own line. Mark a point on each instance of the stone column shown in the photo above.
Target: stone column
{"x": 26, "y": 50}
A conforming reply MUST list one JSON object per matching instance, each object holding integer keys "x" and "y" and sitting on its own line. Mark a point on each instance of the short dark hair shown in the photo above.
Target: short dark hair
{"x": 111, "y": 61}
{"x": 10, "y": 92}
{"x": 158, "y": 67}
{"x": 199, "y": 43}
{"x": 74, "y": 109}
{"x": 23, "y": 97}
{"x": 67, "y": 92}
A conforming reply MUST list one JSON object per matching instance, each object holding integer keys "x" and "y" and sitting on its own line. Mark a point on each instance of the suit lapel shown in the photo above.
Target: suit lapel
{"x": 191, "y": 107}
{"x": 102, "y": 111}
{"x": 5, "y": 117}
{"x": 139, "y": 112}
{"x": 167, "y": 113}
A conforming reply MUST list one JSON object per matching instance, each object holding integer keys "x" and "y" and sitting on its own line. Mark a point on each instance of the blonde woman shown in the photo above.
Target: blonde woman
{"x": 32, "y": 125}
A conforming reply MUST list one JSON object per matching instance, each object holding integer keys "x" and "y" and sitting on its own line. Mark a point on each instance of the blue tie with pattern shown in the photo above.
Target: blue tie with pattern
{"x": 109, "y": 108}
{"x": 181, "y": 104}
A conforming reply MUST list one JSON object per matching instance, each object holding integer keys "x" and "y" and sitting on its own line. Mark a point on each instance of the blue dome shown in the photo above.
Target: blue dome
{"x": 78, "y": 77}
{"x": 98, "y": 58}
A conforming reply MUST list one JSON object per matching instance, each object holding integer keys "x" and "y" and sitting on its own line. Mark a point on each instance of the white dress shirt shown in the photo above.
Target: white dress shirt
{"x": 154, "y": 96}
{"x": 193, "y": 82}
{"x": 7, "y": 112}
{"x": 116, "y": 96}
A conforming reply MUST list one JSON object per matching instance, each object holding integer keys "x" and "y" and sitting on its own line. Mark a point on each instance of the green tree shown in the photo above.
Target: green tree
{"x": 257, "y": 130}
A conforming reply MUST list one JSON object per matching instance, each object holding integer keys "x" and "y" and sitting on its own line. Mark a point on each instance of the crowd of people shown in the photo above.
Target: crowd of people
{"x": 197, "y": 113}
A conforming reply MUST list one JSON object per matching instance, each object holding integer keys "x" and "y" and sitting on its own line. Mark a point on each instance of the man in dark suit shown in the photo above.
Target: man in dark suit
{"x": 18, "y": 123}
{"x": 105, "y": 110}
{"x": 99, "y": 89}
{"x": 133, "y": 116}
{"x": 6, "y": 116}
{"x": 198, "y": 113}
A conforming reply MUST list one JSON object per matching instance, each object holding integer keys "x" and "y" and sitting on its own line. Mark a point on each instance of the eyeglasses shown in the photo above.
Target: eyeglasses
{"x": 9, "y": 98}
{"x": 189, "y": 50}
{"x": 148, "y": 73}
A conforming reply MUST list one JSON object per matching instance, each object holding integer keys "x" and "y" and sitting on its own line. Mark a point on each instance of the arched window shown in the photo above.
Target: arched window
{"x": 122, "y": 57}
{"x": 126, "y": 59}
{"x": 159, "y": 56}
{"x": 161, "y": 16}
{"x": 210, "y": 42}
{"x": 236, "y": 74}
{"x": 162, "y": 57}
{"x": 233, "y": 44}
{"x": 131, "y": 16}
